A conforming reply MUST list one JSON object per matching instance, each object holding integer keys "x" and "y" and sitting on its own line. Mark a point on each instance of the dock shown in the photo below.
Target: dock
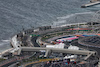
{"x": 90, "y": 4}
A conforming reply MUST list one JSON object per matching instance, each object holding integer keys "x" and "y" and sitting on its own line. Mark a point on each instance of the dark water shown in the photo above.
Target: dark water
{"x": 15, "y": 14}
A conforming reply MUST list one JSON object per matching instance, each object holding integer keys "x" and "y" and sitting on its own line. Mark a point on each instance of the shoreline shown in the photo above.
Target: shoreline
{"x": 5, "y": 51}
{"x": 13, "y": 44}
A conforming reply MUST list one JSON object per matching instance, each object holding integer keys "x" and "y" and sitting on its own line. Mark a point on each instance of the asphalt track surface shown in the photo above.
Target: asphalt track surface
{"x": 33, "y": 40}
{"x": 75, "y": 43}
{"x": 9, "y": 64}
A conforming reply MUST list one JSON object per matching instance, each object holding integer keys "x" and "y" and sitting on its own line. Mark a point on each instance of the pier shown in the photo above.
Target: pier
{"x": 90, "y": 4}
